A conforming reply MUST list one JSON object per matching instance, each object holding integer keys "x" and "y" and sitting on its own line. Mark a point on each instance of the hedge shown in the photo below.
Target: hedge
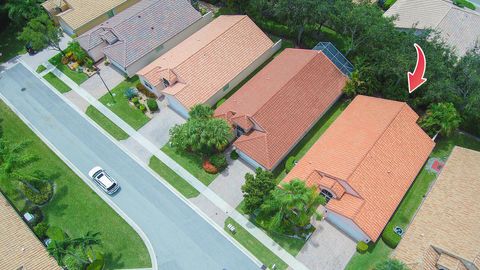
{"x": 37, "y": 191}
{"x": 152, "y": 105}
{"x": 234, "y": 155}
{"x": 362, "y": 247}
{"x": 290, "y": 164}
{"x": 390, "y": 237}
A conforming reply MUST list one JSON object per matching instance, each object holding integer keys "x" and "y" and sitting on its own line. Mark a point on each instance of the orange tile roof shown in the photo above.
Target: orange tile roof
{"x": 283, "y": 103}
{"x": 376, "y": 149}
{"x": 209, "y": 59}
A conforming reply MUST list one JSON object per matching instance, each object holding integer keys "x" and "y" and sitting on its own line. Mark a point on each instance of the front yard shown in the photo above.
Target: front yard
{"x": 121, "y": 107}
{"x": 412, "y": 201}
{"x": 77, "y": 77}
{"x": 73, "y": 201}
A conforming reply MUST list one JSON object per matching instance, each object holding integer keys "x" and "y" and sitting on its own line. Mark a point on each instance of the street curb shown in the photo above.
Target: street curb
{"x": 85, "y": 179}
{"x": 158, "y": 177}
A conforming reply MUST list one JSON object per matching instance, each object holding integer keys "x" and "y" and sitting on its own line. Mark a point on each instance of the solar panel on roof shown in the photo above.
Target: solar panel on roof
{"x": 335, "y": 56}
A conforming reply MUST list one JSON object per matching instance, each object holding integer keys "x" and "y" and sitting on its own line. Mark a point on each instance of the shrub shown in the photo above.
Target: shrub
{"x": 107, "y": 62}
{"x": 142, "y": 89}
{"x": 36, "y": 212}
{"x": 323, "y": 200}
{"x": 390, "y": 237}
{"x": 130, "y": 93}
{"x": 362, "y": 247}
{"x": 152, "y": 105}
{"x": 220, "y": 102}
{"x": 219, "y": 161}
{"x": 65, "y": 60}
{"x": 37, "y": 191}
{"x": 234, "y": 155}
{"x": 97, "y": 264}
{"x": 290, "y": 164}
{"x": 135, "y": 101}
{"x": 89, "y": 63}
{"x": 318, "y": 216}
{"x": 72, "y": 263}
{"x": 55, "y": 233}
{"x": 142, "y": 108}
{"x": 41, "y": 230}
{"x": 209, "y": 168}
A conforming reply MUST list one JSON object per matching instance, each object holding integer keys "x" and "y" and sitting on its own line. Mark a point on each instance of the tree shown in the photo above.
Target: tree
{"x": 87, "y": 242}
{"x": 13, "y": 158}
{"x": 290, "y": 207}
{"x": 391, "y": 264}
{"x": 441, "y": 118}
{"x": 41, "y": 33}
{"x": 77, "y": 51}
{"x": 20, "y": 11}
{"x": 201, "y": 133}
{"x": 256, "y": 188}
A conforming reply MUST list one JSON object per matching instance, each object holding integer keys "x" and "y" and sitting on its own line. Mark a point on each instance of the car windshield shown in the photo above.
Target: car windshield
{"x": 99, "y": 175}
{"x": 111, "y": 187}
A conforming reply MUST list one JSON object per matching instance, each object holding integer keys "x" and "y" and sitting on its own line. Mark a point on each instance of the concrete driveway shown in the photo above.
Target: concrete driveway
{"x": 228, "y": 184}
{"x": 110, "y": 75}
{"x": 327, "y": 249}
{"x": 179, "y": 236}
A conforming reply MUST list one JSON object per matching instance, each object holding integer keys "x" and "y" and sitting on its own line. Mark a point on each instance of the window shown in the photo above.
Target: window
{"x": 159, "y": 48}
{"x": 148, "y": 85}
{"x": 239, "y": 131}
{"x": 166, "y": 83}
{"x": 327, "y": 194}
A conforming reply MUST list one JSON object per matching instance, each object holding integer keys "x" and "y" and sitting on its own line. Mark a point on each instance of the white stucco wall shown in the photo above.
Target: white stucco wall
{"x": 347, "y": 226}
{"x": 177, "y": 106}
{"x": 65, "y": 27}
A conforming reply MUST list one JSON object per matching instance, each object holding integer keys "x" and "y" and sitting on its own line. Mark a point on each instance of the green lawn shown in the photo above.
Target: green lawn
{"x": 412, "y": 200}
{"x": 75, "y": 207}
{"x": 133, "y": 116}
{"x": 41, "y": 69}
{"x": 180, "y": 184}
{"x": 106, "y": 123}
{"x": 57, "y": 83}
{"x": 262, "y": 253}
{"x": 77, "y": 77}
{"x": 190, "y": 162}
{"x": 312, "y": 136}
{"x": 9, "y": 44}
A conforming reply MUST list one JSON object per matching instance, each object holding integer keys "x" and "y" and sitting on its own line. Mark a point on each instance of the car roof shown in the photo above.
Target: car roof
{"x": 105, "y": 180}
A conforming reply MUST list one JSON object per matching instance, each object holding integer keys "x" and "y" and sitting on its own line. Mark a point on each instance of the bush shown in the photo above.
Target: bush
{"x": 323, "y": 200}
{"x": 152, "y": 105}
{"x": 290, "y": 164}
{"x": 362, "y": 247}
{"x": 97, "y": 264}
{"x": 36, "y": 212}
{"x": 135, "y": 101}
{"x": 390, "y": 237}
{"x": 65, "y": 60}
{"x": 89, "y": 63}
{"x": 234, "y": 155}
{"x": 72, "y": 263}
{"x": 209, "y": 168}
{"x": 142, "y": 108}
{"x": 41, "y": 230}
{"x": 37, "y": 191}
{"x": 220, "y": 102}
{"x": 318, "y": 216}
{"x": 219, "y": 161}
{"x": 55, "y": 233}
{"x": 130, "y": 93}
{"x": 142, "y": 89}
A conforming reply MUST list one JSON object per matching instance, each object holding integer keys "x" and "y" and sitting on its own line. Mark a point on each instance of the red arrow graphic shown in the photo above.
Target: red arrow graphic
{"x": 416, "y": 78}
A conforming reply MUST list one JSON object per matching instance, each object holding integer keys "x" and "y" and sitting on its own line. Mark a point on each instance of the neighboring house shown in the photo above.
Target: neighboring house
{"x": 274, "y": 110}
{"x": 19, "y": 247}
{"x": 445, "y": 233}
{"x": 79, "y": 16}
{"x": 458, "y": 27}
{"x": 364, "y": 164}
{"x": 141, "y": 33}
{"x": 208, "y": 64}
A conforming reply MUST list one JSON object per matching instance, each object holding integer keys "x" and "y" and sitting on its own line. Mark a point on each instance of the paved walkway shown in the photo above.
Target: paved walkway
{"x": 208, "y": 193}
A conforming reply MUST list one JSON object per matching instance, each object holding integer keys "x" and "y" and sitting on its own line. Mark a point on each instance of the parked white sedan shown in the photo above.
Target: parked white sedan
{"x": 103, "y": 180}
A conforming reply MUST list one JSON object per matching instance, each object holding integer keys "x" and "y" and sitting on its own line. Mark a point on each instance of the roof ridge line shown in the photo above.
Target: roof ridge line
{"x": 283, "y": 86}
{"x": 380, "y": 136}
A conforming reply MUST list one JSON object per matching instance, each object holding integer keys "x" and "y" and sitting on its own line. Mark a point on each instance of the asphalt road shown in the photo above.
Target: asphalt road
{"x": 180, "y": 237}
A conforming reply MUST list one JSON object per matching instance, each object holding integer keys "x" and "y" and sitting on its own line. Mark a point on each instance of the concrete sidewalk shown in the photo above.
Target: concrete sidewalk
{"x": 206, "y": 192}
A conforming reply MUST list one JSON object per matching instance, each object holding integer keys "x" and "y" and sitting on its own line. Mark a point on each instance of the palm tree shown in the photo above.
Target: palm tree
{"x": 87, "y": 242}
{"x": 13, "y": 158}
{"x": 291, "y": 206}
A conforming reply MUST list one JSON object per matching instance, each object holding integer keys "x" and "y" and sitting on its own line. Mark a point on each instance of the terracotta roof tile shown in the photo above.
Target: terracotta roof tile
{"x": 209, "y": 59}
{"x": 285, "y": 102}
{"x": 377, "y": 149}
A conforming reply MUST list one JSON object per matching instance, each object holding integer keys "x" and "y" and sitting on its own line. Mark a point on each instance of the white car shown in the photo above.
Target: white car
{"x": 103, "y": 180}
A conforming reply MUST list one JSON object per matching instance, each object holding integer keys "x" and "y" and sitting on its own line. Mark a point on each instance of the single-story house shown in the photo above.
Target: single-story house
{"x": 19, "y": 247}
{"x": 445, "y": 233}
{"x": 208, "y": 64}
{"x": 274, "y": 110}
{"x": 364, "y": 164}
{"x": 141, "y": 33}
{"x": 458, "y": 27}
{"x": 79, "y": 16}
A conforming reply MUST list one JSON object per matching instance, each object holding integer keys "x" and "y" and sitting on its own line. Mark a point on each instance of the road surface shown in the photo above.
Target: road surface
{"x": 181, "y": 239}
